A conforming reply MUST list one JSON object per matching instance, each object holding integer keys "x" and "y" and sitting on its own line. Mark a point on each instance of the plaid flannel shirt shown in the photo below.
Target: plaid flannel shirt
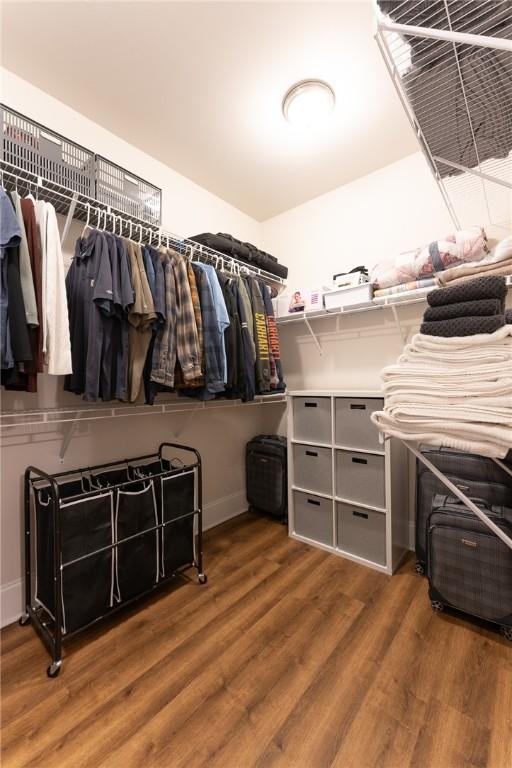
{"x": 164, "y": 349}
{"x": 188, "y": 349}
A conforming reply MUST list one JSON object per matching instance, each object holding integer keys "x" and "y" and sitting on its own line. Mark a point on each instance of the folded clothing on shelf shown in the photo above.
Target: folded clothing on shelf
{"x": 474, "y": 308}
{"x": 463, "y": 326}
{"x": 497, "y": 262}
{"x": 485, "y": 287}
{"x": 413, "y": 285}
{"x": 452, "y": 392}
{"x": 246, "y": 252}
{"x": 464, "y": 245}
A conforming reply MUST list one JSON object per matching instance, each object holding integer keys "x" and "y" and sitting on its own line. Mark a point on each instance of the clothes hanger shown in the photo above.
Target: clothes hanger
{"x": 88, "y": 219}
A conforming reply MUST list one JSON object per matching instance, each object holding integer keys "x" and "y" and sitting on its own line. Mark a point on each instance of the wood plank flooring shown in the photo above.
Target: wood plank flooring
{"x": 288, "y": 657}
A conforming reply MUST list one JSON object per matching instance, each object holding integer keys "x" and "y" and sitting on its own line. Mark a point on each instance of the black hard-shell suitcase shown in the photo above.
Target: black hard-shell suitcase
{"x": 473, "y": 475}
{"x": 469, "y": 567}
{"x": 267, "y": 475}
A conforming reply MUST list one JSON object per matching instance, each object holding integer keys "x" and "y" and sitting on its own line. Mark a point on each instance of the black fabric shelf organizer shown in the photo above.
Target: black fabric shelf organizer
{"x": 99, "y": 538}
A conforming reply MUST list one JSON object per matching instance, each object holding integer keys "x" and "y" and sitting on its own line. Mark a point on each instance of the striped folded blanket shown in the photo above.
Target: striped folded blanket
{"x": 413, "y": 285}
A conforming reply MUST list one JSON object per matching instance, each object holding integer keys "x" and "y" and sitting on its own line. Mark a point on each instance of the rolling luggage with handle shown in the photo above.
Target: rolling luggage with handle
{"x": 469, "y": 567}
{"x": 473, "y": 475}
{"x": 266, "y": 475}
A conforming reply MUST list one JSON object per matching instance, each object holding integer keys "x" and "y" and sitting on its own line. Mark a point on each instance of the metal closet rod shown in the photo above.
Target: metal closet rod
{"x": 83, "y": 208}
{"x": 466, "y": 38}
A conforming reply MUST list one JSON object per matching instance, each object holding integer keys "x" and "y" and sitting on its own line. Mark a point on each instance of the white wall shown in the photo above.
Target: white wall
{"x": 389, "y": 211}
{"x": 187, "y": 209}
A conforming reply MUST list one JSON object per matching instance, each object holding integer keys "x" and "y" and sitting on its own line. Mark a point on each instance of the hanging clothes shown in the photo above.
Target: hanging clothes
{"x": 20, "y": 340}
{"x": 10, "y": 237}
{"x": 56, "y": 342}
{"x": 141, "y": 316}
{"x": 164, "y": 350}
{"x": 26, "y": 276}
{"x": 90, "y": 298}
{"x": 220, "y": 311}
{"x": 260, "y": 337}
{"x": 277, "y": 381}
{"x": 247, "y": 328}
{"x": 34, "y": 248}
{"x": 187, "y": 341}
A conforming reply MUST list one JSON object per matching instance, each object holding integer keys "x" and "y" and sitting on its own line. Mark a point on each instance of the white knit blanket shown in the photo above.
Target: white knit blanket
{"x": 452, "y": 392}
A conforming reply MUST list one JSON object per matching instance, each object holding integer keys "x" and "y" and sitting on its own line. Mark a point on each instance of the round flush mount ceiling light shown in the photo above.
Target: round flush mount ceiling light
{"x": 308, "y": 103}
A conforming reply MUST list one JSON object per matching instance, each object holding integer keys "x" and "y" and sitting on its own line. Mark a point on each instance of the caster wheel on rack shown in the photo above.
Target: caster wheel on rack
{"x": 24, "y": 619}
{"x": 54, "y": 669}
{"x": 506, "y": 632}
{"x": 419, "y": 568}
{"x": 437, "y": 607}
{"x": 202, "y": 578}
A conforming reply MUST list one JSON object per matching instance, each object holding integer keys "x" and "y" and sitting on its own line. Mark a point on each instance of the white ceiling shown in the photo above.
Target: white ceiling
{"x": 198, "y": 85}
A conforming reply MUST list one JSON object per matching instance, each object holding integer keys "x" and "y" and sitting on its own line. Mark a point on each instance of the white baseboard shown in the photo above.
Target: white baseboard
{"x": 214, "y": 513}
{"x": 220, "y": 510}
{"x": 11, "y": 602}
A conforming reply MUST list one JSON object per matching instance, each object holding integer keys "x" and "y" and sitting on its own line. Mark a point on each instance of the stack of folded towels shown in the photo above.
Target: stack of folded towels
{"x": 452, "y": 385}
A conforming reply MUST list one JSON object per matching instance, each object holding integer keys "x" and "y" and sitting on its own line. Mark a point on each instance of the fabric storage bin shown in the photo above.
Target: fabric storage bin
{"x": 86, "y": 526}
{"x": 312, "y": 419}
{"x": 137, "y": 545}
{"x": 362, "y": 532}
{"x": 177, "y": 493}
{"x": 151, "y": 468}
{"x": 312, "y": 517}
{"x": 110, "y": 477}
{"x": 353, "y": 426}
{"x": 312, "y": 468}
{"x": 360, "y": 478}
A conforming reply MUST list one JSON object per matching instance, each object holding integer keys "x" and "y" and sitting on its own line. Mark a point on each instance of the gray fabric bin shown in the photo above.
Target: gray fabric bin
{"x": 312, "y": 419}
{"x": 360, "y": 478}
{"x": 312, "y": 468}
{"x": 312, "y": 517}
{"x": 353, "y": 426}
{"x": 362, "y": 532}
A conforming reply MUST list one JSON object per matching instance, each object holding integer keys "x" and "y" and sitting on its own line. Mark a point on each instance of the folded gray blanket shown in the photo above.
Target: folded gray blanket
{"x": 464, "y": 309}
{"x": 463, "y": 326}
{"x": 485, "y": 287}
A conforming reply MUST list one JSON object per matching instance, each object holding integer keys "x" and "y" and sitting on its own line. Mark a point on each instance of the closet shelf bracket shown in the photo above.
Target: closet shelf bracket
{"x": 313, "y": 334}
{"x": 69, "y": 431}
{"x": 403, "y": 335}
{"x": 69, "y": 218}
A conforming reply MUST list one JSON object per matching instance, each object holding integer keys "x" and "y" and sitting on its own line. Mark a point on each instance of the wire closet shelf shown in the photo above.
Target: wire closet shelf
{"x": 451, "y": 64}
{"x": 80, "y": 207}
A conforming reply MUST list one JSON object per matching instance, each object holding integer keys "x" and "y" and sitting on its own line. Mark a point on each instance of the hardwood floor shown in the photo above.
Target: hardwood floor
{"x": 289, "y": 657}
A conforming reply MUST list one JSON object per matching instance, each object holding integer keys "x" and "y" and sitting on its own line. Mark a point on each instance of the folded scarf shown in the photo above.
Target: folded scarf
{"x": 464, "y": 309}
{"x": 463, "y": 326}
{"x": 487, "y": 287}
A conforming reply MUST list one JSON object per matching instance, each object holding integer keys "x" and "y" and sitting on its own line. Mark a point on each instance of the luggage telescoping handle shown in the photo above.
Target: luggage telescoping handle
{"x": 454, "y": 500}
{"x": 458, "y": 493}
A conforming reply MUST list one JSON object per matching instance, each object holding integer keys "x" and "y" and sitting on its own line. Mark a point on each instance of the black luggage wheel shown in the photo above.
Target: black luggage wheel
{"x": 24, "y": 619}
{"x": 202, "y": 578}
{"x": 437, "y": 606}
{"x": 419, "y": 568}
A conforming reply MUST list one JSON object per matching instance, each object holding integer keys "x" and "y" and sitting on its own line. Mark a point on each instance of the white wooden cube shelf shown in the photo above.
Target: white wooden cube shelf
{"x": 348, "y": 489}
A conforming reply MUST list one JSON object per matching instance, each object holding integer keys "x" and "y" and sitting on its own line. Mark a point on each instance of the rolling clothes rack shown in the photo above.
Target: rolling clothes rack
{"x": 100, "y": 538}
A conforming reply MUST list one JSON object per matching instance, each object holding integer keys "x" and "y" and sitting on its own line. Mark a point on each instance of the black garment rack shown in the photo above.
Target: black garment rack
{"x": 49, "y": 624}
